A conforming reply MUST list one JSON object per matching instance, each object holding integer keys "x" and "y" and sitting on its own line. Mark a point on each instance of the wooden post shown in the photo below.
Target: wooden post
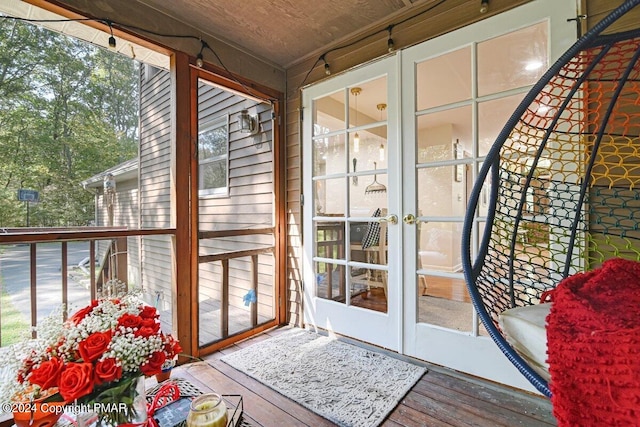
{"x": 184, "y": 243}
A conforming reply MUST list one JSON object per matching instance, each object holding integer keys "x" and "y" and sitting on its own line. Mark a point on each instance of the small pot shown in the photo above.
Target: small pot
{"x": 163, "y": 376}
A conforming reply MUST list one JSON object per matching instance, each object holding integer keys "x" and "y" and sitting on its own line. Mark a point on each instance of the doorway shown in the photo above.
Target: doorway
{"x": 235, "y": 172}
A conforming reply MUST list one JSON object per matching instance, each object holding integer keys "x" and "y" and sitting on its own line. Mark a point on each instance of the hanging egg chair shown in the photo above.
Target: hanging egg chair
{"x": 559, "y": 191}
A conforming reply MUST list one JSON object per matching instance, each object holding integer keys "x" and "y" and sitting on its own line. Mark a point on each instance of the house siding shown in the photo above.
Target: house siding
{"x": 125, "y": 214}
{"x": 155, "y": 189}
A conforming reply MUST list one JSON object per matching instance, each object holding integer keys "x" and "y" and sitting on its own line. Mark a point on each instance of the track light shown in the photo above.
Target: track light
{"x": 484, "y": 6}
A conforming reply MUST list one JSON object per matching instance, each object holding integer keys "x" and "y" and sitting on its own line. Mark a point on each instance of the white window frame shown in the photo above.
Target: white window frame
{"x": 215, "y": 123}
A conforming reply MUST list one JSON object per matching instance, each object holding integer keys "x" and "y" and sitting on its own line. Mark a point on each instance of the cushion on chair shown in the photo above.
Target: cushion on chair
{"x": 525, "y": 329}
{"x": 372, "y": 238}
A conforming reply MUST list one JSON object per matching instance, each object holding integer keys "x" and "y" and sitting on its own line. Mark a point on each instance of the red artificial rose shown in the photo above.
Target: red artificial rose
{"x": 153, "y": 364}
{"x": 81, "y": 314}
{"x": 149, "y": 312}
{"x": 107, "y": 370}
{"x": 47, "y": 374}
{"x": 147, "y": 331}
{"x": 94, "y": 345}
{"x": 148, "y": 322}
{"x": 76, "y": 381}
{"x": 172, "y": 346}
{"x": 129, "y": 320}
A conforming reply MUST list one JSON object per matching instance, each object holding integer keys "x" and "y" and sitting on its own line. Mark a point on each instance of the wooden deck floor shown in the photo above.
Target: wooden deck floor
{"x": 440, "y": 398}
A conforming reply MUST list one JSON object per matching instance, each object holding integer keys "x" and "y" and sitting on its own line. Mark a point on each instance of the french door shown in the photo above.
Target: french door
{"x": 352, "y": 255}
{"x": 445, "y": 101}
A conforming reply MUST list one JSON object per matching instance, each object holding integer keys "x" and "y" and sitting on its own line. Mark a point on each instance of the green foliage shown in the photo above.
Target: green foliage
{"x": 68, "y": 111}
{"x": 14, "y": 324}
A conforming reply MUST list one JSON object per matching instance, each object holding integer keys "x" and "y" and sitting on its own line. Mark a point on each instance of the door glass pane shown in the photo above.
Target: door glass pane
{"x": 445, "y": 302}
{"x": 439, "y": 246}
{"x": 513, "y": 60}
{"x": 363, "y": 101}
{"x": 369, "y": 289}
{"x": 330, "y": 239}
{"x": 329, "y": 197}
{"x": 330, "y": 281}
{"x": 329, "y": 114}
{"x": 328, "y": 155}
{"x": 492, "y": 116}
{"x": 437, "y": 132}
{"x": 442, "y": 191}
{"x": 444, "y": 79}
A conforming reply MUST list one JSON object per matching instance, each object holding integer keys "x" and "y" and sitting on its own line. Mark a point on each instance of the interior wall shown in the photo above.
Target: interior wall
{"x": 456, "y": 14}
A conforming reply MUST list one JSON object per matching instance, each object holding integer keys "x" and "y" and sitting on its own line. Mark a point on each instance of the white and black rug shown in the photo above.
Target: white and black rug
{"x": 348, "y": 385}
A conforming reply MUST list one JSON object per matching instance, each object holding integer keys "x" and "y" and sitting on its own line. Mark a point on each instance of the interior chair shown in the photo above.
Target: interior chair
{"x": 560, "y": 187}
{"x": 374, "y": 245}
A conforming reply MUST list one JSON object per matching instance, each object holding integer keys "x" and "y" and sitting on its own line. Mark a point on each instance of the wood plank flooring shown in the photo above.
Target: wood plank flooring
{"x": 440, "y": 398}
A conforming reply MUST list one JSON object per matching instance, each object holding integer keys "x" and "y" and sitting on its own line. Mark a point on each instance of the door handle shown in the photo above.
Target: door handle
{"x": 409, "y": 219}
{"x": 391, "y": 219}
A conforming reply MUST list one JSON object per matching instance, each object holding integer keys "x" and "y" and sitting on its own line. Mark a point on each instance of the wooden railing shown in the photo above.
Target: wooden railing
{"x": 224, "y": 258}
{"x": 112, "y": 266}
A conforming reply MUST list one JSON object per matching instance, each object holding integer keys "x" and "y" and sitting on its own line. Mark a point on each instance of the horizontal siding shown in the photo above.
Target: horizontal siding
{"x": 155, "y": 192}
{"x": 598, "y": 9}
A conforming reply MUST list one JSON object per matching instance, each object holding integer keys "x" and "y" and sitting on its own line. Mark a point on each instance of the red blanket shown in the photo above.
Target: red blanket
{"x": 593, "y": 333}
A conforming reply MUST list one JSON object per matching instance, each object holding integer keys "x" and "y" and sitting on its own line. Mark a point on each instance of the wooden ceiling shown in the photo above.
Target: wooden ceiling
{"x": 284, "y": 31}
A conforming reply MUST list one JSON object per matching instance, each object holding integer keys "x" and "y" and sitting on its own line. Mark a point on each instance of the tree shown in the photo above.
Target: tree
{"x": 68, "y": 110}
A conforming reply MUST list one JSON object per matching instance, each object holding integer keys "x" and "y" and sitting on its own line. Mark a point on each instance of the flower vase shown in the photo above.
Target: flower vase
{"x": 122, "y": 404}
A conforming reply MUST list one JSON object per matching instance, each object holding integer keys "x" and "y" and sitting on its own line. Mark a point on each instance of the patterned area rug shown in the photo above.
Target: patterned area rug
{"x": 348, "y": 385}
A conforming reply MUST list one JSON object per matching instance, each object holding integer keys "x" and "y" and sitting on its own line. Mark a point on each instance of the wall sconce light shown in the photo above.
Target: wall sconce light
{"x": 248, "y": 124}
{"x": 109, "y": 183}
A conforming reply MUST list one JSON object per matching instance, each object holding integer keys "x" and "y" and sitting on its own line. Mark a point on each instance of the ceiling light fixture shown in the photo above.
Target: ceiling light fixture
{"x": 355, "y": 91}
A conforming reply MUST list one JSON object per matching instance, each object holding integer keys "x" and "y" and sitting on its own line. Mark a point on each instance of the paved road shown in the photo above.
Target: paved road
{"x": 15, "y": 275}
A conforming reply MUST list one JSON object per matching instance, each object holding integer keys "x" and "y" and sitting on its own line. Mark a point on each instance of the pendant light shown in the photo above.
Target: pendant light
{"x": 355, "y": 91}
{"x": 381, "y": 107}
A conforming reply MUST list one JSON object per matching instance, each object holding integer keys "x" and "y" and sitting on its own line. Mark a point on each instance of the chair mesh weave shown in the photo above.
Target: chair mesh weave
{"x": 560, "y": 188}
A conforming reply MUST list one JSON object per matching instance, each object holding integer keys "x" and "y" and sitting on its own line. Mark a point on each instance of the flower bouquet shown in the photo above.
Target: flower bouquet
{"x": 99, "y": 356}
